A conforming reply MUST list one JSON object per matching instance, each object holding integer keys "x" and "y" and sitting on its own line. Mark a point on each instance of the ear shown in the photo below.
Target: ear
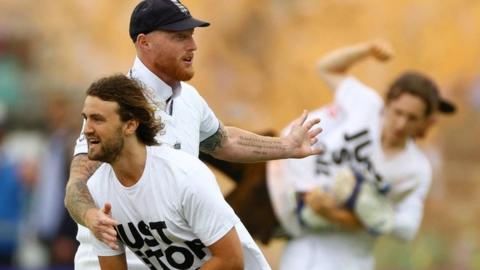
{"x": 142, "y": 41}
{"x": 131, "y": 127}
{"x": 422, "y": 132}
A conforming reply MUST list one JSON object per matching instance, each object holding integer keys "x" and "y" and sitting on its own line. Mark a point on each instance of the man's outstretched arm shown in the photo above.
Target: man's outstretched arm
{"x": 238, "y": 145}
{"x": 80, "y": 204}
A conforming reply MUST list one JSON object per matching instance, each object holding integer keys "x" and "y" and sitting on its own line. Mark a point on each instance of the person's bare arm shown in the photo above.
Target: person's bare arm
{"x": 226, "y": 253}
{"x": 325, "y": 205}
{"x": 118, "y": 262}
{"x": 77, "y": 196}
{"x": 80, "y": 204}
{"x": 238, "y": 145}
{"x": 333, "y": 67}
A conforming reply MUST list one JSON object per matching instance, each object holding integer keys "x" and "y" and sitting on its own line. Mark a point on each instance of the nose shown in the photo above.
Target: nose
{"x": 192, "y": 45}
{"x": 401, "y": 123}
{"x": 87, "y": 129}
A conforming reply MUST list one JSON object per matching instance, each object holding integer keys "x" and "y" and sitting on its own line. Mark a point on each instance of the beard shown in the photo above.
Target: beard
{"x": 183, "y": 74}
{"x": 109, "y": 149}
{"x": 175, "y": 69}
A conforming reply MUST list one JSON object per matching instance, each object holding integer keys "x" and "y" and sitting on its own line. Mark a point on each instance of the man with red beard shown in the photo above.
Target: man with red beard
{"x": 162, "y": 31}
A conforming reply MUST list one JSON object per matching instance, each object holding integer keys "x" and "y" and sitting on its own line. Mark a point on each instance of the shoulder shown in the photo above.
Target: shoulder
{"x": 352, "y": 88}
{"x": 99, "y": 175}
{"x": 189, "y": 90}
{"x": 181, "y": 163}
{"x": 353, "y": 82}
{"x": 188, "y": 176}
{"x": 330, "y": 113}
{"x": 192, "y": 97}
{"x": 172, "y": 156}
{"x": 419, "y": 160}
{"x": 100, "y": 182}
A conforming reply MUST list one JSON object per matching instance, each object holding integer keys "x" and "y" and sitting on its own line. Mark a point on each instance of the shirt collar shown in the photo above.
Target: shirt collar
{"x": 161, "y": 90}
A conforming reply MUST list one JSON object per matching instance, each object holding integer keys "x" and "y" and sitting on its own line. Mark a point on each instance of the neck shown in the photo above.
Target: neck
{"x": 391, "y": 146}
{"x": 151, "y": 66}
{"x": 130, "y": 164}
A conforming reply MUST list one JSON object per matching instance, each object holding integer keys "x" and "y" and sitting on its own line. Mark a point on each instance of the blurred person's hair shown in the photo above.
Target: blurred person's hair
{"x": 419, "y": 85}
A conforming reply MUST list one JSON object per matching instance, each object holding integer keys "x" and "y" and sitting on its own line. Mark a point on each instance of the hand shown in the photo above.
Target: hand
{"x": 382, "y": 50}
{"x": 320, "y": 201}
{"x": 101, "y": 223}
{"x": 303, "y": 136}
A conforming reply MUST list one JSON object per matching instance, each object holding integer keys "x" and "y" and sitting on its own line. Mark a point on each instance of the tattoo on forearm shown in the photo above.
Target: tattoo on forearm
{"x": 77, "y": 197}
{"x": 212, "y": 143}
{"x": 260, "y": 146}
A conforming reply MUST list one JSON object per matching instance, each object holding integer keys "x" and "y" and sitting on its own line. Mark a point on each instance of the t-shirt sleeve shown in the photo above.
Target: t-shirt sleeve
{"x": 409, "y": 212}
{"x": 353, "y": 96}
{"x": 81, "y": 146}
{"x": 204, "y": 208}
{"x": 209, "y": 122}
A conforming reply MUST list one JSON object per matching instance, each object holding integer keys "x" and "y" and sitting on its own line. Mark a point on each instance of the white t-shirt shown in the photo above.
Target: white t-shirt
{"x": 190, "y": 122}
{"x": 351, "y": 137}
{"x": 171, "y": 214}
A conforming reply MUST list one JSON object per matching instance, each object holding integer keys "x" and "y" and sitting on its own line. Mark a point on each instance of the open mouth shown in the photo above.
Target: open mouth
{"x": 93, "y": 141}
{"x": 399, "y": 134}
{"x": 188, "y": 59}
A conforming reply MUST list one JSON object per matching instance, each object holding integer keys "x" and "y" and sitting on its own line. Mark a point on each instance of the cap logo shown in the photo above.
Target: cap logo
{"x": 180, "y": 6}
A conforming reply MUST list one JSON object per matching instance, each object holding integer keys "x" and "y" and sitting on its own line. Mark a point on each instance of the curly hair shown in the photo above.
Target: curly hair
{"x": 133, "y": 101}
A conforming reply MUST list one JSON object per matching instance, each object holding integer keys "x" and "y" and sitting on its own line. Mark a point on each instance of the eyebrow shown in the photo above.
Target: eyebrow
{"x": 97, "y": 115}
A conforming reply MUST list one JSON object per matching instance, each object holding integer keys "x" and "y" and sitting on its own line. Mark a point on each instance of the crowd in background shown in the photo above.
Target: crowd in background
{"x": 35, "y": 152}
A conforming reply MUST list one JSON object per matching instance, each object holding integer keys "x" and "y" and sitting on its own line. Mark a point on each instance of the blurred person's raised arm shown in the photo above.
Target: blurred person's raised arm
{"x": 333, "y": 67}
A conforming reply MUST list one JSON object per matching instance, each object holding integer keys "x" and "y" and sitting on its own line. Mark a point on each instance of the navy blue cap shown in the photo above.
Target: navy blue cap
{"x": 445, "y": 106}
{"x": 168, "y": 15}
